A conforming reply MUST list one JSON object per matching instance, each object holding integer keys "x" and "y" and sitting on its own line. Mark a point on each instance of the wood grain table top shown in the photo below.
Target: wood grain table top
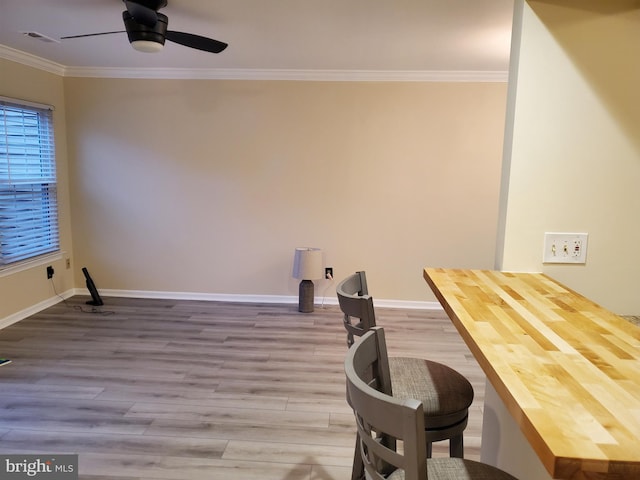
{"x": 567, "y": 369}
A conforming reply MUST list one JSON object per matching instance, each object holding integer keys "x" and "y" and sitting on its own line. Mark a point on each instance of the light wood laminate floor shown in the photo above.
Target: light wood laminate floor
{"x": 161, "y": 389}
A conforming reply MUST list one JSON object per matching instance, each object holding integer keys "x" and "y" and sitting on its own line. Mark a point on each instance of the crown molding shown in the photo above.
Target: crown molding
{"x": 252, "y": 74}
{"x": 288, "y": 74}
{"x": 29, "y": 60}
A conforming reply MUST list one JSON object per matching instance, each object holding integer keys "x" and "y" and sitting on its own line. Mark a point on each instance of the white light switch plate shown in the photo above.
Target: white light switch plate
{"x": 565, "y": 247}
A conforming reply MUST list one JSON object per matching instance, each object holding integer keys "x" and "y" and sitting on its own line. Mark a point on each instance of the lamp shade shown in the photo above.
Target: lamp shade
{"x": 307, "y": 264}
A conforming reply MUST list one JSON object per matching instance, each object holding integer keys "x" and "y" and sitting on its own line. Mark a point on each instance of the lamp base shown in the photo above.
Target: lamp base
{"x": 305, "y": 296}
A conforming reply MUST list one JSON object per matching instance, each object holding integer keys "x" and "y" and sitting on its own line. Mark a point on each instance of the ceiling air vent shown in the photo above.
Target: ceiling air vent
{"x": 39, "y": 36}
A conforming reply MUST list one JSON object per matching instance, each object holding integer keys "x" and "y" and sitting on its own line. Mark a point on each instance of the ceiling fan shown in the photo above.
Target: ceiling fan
{"x": 147, "y": 30}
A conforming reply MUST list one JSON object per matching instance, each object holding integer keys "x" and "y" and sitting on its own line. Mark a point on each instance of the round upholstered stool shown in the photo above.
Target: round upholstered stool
{"x": 445, "y": 394}
{"x": 383, "y": 420}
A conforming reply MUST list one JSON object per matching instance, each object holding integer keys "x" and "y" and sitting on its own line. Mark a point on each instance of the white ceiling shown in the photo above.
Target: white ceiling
{"x": 299, "y": 35}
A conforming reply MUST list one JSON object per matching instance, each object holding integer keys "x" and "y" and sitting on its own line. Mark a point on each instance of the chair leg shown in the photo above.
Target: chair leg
{"x": 357, "y": 470}
{"x": 456, "y": 446}
{"x": 429, "y": 449}
{"x": 349, "y": 340}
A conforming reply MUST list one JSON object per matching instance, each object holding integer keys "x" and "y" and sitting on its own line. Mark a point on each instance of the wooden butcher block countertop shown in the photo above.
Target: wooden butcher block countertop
{"x": 567, "y": 369}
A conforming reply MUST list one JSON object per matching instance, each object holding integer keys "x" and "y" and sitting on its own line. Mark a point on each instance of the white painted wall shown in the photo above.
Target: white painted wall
{"x": 572, "y": 160}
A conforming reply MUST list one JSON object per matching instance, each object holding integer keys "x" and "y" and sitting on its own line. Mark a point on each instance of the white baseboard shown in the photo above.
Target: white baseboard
{"x": 207, "y": 297}
{"x": 281, "y": 299}
{"x": 38, "y": 307}
{"x": 407, "y": 304}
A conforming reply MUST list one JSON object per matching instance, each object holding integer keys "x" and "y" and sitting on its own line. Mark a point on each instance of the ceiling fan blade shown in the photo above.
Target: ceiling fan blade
{"x": 196, "y": 41}
{"x": 143, "y": 15}
{"x": 91, "y": 34}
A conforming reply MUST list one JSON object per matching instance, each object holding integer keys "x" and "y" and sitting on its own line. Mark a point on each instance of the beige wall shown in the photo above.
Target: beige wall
{"x": 20, "y": 291}
{"x": 575, "y": 148}
{"x": 208, "y": 186}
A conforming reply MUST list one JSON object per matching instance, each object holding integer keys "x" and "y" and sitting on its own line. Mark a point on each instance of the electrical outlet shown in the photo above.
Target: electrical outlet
{"x": 49, "y": 272}
{"x": 565, "y": 248}
{"x": 328, "y": 272}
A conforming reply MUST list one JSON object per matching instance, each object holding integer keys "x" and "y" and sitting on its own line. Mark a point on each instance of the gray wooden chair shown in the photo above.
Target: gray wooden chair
{"x": 445, "y": 394}
{"x": 382, "y": 421}
{"x": 356, "y": 304}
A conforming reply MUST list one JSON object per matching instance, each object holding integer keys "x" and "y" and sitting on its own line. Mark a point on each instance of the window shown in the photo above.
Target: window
{"x": 28, "y": 203}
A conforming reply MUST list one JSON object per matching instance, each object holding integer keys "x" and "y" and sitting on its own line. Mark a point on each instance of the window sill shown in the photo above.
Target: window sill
{"x": 31, "y": 263}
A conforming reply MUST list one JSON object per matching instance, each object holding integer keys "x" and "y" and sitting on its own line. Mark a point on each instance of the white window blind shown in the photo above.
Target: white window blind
{"x": 28, "y": 190}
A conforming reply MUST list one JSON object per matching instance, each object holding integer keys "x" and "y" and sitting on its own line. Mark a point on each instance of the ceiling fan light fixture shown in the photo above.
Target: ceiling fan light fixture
{"x": 143, "y": 38}
{"x": 146, "y": 46}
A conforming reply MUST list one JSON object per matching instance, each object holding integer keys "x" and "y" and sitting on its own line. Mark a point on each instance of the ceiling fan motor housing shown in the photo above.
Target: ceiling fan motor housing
{"x": 137, "y": 32}
{"x": 152, "y": 4}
